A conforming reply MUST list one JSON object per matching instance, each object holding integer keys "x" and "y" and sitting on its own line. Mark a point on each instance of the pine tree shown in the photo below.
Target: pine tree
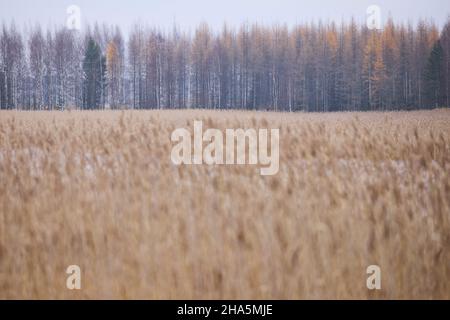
{"x": 94, "y": 67}
{"x": 445, "y": 42}
{"x": 433, "y": 76}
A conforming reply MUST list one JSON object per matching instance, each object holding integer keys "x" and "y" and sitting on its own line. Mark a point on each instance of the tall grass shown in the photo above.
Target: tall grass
{"x": 98, "y": 189}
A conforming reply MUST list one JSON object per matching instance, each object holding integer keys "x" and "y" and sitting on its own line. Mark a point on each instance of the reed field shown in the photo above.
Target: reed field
{"x": 98, "y": 189}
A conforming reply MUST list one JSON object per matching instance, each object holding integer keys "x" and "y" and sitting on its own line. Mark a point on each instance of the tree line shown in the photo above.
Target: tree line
{"x": 307, "y": 67}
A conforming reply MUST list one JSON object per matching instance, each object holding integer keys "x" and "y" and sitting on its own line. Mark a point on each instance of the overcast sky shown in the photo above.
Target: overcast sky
{"x": 189, "y": 13}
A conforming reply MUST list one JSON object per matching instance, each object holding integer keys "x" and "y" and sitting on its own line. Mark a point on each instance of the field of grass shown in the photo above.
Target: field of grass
{"x": 98, "y": 189}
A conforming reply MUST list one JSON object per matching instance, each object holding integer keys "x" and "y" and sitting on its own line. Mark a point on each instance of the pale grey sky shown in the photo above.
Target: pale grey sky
{"x": 189, "y": 13}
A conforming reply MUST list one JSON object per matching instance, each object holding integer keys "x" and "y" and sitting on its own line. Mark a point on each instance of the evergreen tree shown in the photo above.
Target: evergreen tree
{"x": 433, "y": 76}
{"x": 94, "y": 68}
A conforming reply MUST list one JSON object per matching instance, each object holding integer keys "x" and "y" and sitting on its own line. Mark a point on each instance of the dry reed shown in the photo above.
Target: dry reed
{"x": 98, "y": 189}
